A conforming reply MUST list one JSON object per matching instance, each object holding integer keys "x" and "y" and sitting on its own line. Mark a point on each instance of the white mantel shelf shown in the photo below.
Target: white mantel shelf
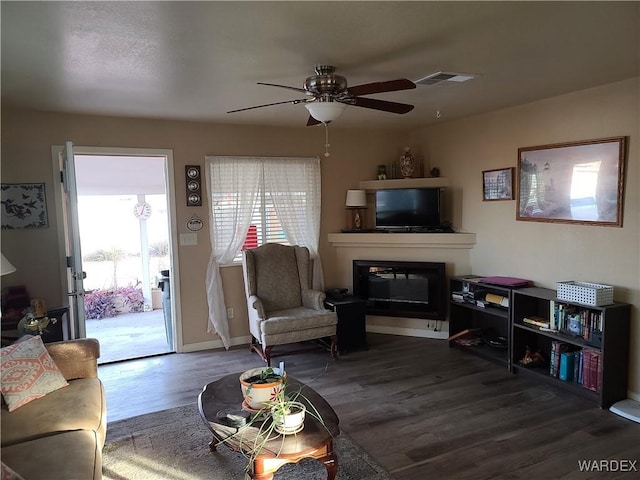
{"x": 403, "y": 240}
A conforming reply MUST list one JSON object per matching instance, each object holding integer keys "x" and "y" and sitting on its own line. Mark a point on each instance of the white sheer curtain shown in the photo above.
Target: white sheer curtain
{"x": 233, "y": 184}
{"x": 294, "y": 185}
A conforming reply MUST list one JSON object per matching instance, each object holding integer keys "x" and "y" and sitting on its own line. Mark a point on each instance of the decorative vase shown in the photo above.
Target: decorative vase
{"x": 407, "y": 164}
{"x": 257, "y": 393}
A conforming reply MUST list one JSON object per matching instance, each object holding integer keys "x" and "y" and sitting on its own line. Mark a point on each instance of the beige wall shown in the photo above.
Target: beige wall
{"x": 461, "y": 149}
{"x": 546, "y": 252}
{"x": 27, "y": 138}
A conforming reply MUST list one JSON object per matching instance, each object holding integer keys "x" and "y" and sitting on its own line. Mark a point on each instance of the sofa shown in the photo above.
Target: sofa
{"x": 60, "y": 435}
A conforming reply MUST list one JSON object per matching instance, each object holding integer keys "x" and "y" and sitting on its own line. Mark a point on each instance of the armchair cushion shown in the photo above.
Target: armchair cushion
{"x": 313, "y": 299}
{"x": 296, "y": 319}
{"x": 274, "y": 274}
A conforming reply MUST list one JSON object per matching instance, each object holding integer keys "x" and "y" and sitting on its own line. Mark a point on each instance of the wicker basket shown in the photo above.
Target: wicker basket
{"x": 592, "y": 294}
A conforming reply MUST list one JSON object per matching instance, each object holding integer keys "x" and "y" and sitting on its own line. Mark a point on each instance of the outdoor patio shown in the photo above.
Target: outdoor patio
{"x": 130, "y": 335}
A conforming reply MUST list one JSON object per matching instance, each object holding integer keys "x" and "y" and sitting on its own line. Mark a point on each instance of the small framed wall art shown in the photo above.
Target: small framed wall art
{"x": 24, "y": 205}
{"x": 497, "y": 184}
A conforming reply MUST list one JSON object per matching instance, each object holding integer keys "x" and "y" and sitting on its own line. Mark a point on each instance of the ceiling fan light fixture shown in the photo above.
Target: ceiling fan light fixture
{"x": 325, "y": 111}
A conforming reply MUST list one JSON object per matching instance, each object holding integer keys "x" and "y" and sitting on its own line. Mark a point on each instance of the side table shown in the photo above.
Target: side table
{"x": 56, "y": 330}
{"x": 352, "y": 331}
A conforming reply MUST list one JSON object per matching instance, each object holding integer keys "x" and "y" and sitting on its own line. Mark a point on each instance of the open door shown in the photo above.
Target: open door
{"x": 71, "y": 167}
{"x": 75, "y": 274}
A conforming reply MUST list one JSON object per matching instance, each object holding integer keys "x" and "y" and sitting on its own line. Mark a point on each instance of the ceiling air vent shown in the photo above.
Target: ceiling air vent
{"x": 440, "y": 77}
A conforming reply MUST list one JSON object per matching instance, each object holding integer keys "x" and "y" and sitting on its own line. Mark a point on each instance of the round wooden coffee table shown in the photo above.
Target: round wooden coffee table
{"x": 314, "y": 441}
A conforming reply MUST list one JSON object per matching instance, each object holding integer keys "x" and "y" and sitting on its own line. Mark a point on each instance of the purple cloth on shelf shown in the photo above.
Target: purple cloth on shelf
{"x": 506, "y": 281}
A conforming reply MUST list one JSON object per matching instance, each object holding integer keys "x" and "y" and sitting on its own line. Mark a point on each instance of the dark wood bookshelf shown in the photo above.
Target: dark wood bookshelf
{"x": 486, "y": 322}
{"x": 613, "y": 347}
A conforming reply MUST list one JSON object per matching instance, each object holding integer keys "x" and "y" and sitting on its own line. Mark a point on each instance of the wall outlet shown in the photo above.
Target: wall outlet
{"x": 188, "y": 239}
{"x": 229, "y": 313}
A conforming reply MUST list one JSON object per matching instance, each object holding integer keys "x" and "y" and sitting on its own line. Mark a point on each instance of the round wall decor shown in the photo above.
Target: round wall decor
{"x": 195, "y": 224}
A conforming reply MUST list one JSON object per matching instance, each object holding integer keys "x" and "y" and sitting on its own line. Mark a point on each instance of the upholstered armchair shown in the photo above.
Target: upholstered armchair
{"x": 282, "y": 306}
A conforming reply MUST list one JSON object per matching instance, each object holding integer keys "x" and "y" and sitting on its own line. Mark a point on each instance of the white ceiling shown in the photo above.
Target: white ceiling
{"x": 197, "y": 60}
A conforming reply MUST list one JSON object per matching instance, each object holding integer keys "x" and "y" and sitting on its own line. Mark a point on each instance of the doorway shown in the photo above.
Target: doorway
{"x": 124, "y": 224}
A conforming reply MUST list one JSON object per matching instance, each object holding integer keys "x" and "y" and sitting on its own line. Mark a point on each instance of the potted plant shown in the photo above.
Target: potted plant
{"x": 281, "y": 412}
{"x": 287, "y": 416}
{"x": 261, "y": 385}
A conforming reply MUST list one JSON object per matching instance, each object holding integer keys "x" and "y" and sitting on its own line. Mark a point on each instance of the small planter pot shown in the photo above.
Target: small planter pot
{"x": 288, "y": 419}
{"x": 257, "y": 393}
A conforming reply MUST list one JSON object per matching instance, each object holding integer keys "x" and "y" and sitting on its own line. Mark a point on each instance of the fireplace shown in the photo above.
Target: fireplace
{"x": 401, "y": 289}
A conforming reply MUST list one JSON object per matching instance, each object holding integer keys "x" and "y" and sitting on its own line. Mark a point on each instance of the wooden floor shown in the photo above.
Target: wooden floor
{"x": 421, "y": 409}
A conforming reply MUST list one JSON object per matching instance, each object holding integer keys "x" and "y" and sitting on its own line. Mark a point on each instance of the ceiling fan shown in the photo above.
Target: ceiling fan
{"x": 327, "y": 95}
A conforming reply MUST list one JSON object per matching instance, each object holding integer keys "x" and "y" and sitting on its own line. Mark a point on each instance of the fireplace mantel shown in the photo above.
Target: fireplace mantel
{"x": 453, "y": 249}
{"x": 403, "y": 240}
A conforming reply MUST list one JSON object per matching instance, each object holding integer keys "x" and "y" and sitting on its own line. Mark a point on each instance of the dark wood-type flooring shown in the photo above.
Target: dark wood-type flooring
{"x": 421, "y": 409}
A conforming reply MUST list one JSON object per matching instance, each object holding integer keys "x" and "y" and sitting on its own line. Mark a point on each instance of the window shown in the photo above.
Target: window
{"x": 264, "y": 200}
{"x": 280, "y": 197}
{"x": 265, "y": 226}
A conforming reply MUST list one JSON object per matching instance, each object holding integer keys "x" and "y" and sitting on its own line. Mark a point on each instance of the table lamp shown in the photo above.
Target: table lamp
{"x": 5, "y": 266}
{"x": 356, "y": 201}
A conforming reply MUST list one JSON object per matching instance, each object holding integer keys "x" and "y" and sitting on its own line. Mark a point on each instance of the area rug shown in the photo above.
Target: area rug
{"x": 174, "y": 445}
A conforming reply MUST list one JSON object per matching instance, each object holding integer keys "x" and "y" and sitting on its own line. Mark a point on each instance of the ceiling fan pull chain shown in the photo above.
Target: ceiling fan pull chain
{"x": 326, "y": 139}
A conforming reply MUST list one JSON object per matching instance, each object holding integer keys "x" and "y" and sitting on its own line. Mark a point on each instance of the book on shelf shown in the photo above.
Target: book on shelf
{"x": 466, "y": 297}
{"x": 591, "y": 369}
{"x": 566, "y": 369}
{"x": 497, "y": 300}
{"x": 557, "y": 348}
{"x": 457, "y": 297}
{"x": 576, "y": 321}
{"x": 471, "y": 278}
{"x": 536, "y": 321}
{"x": 577, "y": 367}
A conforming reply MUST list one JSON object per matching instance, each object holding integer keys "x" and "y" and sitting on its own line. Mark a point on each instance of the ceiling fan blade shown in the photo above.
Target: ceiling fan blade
{"x": 301, "y": 90}
{"x": 383, "y": 105}
{"x": 293, "y": 102}
{"x": 381, "y": 87}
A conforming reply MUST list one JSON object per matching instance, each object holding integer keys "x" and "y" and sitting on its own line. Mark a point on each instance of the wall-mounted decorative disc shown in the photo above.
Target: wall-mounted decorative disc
{"x": 195, "y": 224}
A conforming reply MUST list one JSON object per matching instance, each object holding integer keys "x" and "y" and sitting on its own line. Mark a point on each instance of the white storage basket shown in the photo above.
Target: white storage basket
{"x": 592, "y": 294}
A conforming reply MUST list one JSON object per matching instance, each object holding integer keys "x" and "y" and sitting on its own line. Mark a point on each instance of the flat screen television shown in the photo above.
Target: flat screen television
{"x": 408, "y": 208}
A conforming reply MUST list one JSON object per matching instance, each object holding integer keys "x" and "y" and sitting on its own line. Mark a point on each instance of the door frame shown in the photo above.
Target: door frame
{"x": 171, "y": 208}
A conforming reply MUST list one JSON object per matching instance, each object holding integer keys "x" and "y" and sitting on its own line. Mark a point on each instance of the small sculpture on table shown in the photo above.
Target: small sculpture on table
{"x": 36, "y": 320}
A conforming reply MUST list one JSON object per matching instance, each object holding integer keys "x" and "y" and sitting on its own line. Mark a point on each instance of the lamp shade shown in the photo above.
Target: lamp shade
{"x": 356, "y": 199}
{"x": 6, "y": 267}
{"x": 325, "y": 111}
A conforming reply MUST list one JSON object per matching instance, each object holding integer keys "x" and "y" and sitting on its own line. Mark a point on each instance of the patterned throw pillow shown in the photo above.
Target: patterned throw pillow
{"x": 28, "y": 372}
